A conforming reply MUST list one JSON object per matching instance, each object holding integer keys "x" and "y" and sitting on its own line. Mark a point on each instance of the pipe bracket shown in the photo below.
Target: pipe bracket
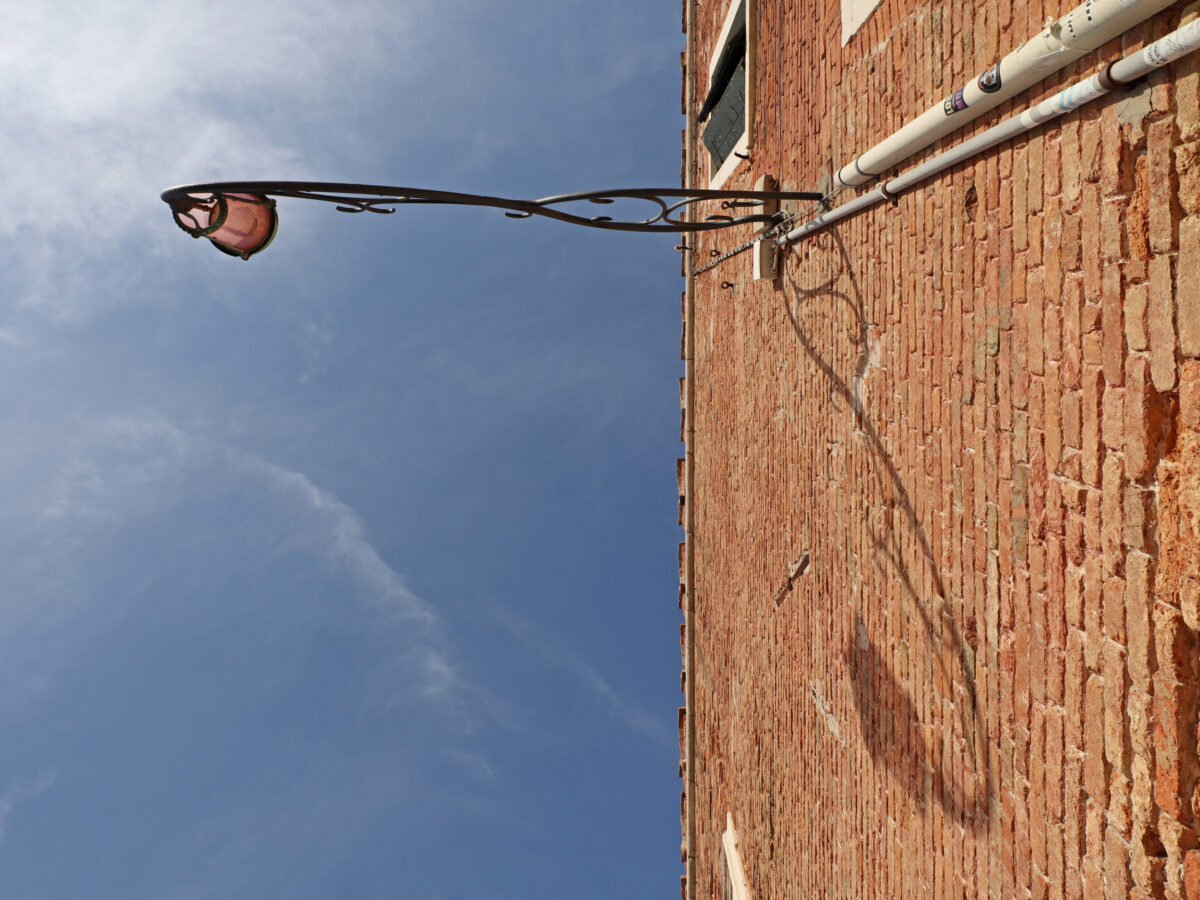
{"x": 1111, "y": 83}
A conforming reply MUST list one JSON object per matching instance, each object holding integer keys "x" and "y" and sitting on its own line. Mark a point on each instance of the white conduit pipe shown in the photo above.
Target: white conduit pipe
{"x": 1133, "y": 67}
{"x": 1080, "y": 31}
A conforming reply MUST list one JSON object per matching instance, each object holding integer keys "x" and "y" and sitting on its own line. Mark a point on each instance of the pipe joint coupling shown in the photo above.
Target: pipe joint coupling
{"x": 1111, "y": 83}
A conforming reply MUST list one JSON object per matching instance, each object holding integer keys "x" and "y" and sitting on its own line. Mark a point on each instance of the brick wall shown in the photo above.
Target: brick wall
{"x": 979, "y": 413}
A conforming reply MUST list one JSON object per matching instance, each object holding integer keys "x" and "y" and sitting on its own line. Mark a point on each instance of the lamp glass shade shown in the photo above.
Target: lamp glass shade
{"x": 199, "y": 217}
{"x": 248, "y": 226}
{"x": 237, "y": 224}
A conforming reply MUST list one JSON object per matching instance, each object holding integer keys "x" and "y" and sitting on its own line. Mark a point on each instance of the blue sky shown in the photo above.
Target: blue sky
{"x": 348, "y": 571}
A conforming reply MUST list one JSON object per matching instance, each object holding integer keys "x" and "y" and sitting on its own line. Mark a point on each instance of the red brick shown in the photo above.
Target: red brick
{"x": 1143, "y": 660}
{"x": 1187, "y": 169}
{"x": 1137, "y": 301}
{"x": 1072, "y": 419}
{"x": 1113, "y": 422}
{"x": 1116, "y": 741}
{"x": 1141, "y": 518}
{"x": 1175, "y": 644}
{"x": 1161, "y": 181}
{"x": 1189, "y": 603}
{"x": 1187, "y": 287}
{"x": 1161, "y": 324}
{"x": 1093, "y": 448}
{"x": 1116, "y": 867}
{"x": 1112, "y": 301}
{"x": 993, "y": 515}
{"x": 1115, "y": 174}
{"x": 1113, "y": 516}
{"x": 1145, "y": 417}
{"x": 1095, "y": 773}
{"x": 1036, "y": 320}
{"x": 1093, "y": 609}
{"x": 1053, "y": 422}
{"x": 1090, "y": 241}
{"x": 1191, "y": 875}
{"x": 1189, "y": 394}
{"x": 1111, "y": 234}
{"x": 1114, "y": 610}
{"x": 1174, "y": 747}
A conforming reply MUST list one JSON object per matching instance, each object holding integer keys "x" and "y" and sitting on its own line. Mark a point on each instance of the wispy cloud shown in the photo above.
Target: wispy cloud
{"x": 126, "y": 466}
{"x": 344, "y": 540}
{"x": 19, "y": 791}
{"x": 558, "y": 654}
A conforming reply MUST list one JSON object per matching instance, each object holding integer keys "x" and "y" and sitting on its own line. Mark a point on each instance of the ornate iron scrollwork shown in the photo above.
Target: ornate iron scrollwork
{"x": 668, "y": 203}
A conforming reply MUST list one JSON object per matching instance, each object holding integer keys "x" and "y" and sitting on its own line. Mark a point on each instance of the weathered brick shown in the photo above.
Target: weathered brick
{"x": 1095, "y": 772}
{"x": 1187, "y": 287}
{"x": 1191, "y": 875}
{"x": 1187, "y": 169}
{"x": 1189, "y": 394}
{"x": 1145, "y": 417}
{"x": 1113, "y": 425}
{"x": 973, "y": 411}
{"x": 1139, "y": 574}
{"x": 1175, "y": 761}
{"x": 1114, "y": 610}
{"x": 1161, "y": 324}
{"x": 1140, "y": 510}
{"x": 1116, "y": 867}
{"x": 1161, "y": 178}
{"x": 1175, "y": 644}
{"x": 1188, "y": 115}
{"x": 1112, "y": 514}
{"x": 1115, "y": 304}
{"x": 1116, "y": 739}
{"x": 1189, "y": 603}
{"x": 1137, "y": 301}
{"x": 1091, "y": 444}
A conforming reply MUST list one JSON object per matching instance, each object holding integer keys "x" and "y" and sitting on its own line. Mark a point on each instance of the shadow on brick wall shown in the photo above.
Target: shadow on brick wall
{"x": 891, "y": 723}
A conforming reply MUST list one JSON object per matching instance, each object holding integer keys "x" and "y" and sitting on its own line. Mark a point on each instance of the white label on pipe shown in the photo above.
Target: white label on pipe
{"x": 1173, "y": 46}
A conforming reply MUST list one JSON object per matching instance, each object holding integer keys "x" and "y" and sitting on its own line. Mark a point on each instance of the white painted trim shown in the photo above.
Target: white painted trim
{"x": 723, "y": 37}
{"x": 718, "y": 177}
{"x": 733, "y": 861}
{"x": 854, "y": 15}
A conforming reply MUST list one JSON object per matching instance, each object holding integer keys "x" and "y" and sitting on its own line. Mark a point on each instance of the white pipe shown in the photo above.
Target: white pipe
{"x": 1168, "y": 49}
{"x": 1080, "y": 31}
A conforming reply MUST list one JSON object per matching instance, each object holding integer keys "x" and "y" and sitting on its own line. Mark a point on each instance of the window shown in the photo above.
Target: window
{"x": 728, "y": 110}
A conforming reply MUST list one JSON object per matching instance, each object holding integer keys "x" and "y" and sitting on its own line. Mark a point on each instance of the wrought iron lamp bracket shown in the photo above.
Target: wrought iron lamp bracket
{"x": 667, "y": 203}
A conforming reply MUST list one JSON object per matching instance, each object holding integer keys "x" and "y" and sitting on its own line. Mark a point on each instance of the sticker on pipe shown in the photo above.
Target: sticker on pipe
{"x": 954, "y": 103}
{"x": 989, "y": 81}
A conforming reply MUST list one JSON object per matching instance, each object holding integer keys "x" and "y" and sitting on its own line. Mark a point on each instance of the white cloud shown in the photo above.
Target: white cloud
{"x": 107, "y": 103}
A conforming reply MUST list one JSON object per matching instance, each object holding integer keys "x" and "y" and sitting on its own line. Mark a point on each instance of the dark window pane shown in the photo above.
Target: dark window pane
{"x": 733, "y": 56}
{"x": 728, "y": 119}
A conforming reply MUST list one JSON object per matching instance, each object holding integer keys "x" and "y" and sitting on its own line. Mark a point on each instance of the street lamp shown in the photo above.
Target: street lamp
{"x": 240, "y": 217}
